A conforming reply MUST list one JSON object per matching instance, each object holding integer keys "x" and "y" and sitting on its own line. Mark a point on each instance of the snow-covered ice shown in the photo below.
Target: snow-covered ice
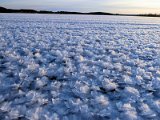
{"x": 74, "y": 67}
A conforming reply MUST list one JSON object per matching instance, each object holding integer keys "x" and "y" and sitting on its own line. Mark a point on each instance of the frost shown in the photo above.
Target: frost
{"x": 67, "y": 67}
{"x": 132, "y": 91}
{"x": 127, "y": 79}
{"x": 157, "y": 105}
{"x": 102, "y": 100}
{"x": 146, "y": 111}
{"x": 109, "y": 85}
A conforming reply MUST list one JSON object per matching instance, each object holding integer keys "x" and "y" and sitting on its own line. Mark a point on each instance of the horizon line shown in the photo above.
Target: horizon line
{"x": 77, "y": 12}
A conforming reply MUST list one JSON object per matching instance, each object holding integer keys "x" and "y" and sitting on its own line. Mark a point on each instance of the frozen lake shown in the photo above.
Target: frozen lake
{"x": 77, "y": 67}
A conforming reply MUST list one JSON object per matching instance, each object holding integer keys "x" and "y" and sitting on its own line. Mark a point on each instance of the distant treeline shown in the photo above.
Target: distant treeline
{"x": 150, "y": 15}
{"x": 5, "y": 10}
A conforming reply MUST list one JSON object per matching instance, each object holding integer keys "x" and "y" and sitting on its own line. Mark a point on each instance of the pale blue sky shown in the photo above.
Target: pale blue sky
{"x": 114, "y": 6}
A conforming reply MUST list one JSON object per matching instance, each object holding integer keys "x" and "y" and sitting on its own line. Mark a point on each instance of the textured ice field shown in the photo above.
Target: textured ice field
{"x": 71, "y": 67}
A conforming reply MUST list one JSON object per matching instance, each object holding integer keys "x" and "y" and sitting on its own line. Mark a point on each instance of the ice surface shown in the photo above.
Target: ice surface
{"x": 73, "y": 67}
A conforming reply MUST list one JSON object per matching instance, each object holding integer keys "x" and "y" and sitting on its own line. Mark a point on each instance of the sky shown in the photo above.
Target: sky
{"x": 112, "y": 6}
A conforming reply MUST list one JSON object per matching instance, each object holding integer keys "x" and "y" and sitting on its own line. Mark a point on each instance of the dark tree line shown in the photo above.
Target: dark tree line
{"x": 5, "y": 10}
